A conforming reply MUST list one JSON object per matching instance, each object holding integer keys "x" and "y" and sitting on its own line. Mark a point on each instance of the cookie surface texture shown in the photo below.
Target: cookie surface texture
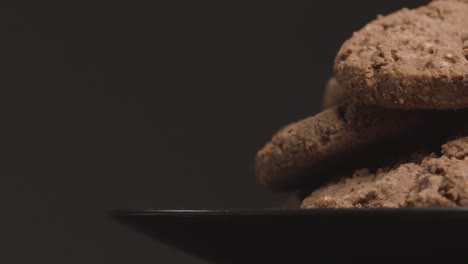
{"x": 321, "y": 144}
{"x": 427, "y": 180}
{"x": 410, "y": 59}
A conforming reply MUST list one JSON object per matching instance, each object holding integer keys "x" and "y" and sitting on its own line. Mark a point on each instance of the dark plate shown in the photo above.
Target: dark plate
{"x": 312, "y": 236}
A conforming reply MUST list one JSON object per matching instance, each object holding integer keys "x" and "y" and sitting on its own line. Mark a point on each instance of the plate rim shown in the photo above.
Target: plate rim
{"x": 281, "y": 212}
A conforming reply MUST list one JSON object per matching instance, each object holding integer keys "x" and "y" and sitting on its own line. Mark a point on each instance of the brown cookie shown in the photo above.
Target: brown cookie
{"x": 293, "y": 202}
{"x": 334, "y": 94}
{"x": 411, "y": 59}
{"x": 340, "y": 138}
{"x": 431, "y": 181}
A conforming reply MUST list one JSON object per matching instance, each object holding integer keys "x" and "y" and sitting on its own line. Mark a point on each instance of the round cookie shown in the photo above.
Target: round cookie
{"x": 334, "y": 94}
{"x": 293, "y": 202}
{"x": 339, "y": 139}
{"x": 429, "y": 180}
{"x": 411, "y": 59}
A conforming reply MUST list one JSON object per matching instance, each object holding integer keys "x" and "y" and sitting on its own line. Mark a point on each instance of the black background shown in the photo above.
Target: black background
{"x": 123, "y": 105}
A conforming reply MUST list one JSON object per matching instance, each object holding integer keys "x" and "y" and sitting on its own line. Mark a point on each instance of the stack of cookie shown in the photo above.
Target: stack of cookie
{"x": 394, "y": 130}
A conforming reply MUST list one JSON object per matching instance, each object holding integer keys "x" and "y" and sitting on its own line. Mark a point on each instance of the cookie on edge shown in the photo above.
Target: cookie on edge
{"x": 306, "y": 152}
{"x": 334, "y": 94}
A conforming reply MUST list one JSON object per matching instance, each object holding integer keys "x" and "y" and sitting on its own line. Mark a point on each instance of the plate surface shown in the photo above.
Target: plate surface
{"x": 314, "y": 236}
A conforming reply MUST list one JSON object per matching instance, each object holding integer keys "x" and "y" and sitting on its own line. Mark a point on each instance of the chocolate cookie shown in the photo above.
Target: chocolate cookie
{"x": 411, "y": 59}
{"x": 334, "y": 94}
{"x": 308, "y": 151}
{"x": 431, "y": 181}
{"x": 293, "y": 202}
